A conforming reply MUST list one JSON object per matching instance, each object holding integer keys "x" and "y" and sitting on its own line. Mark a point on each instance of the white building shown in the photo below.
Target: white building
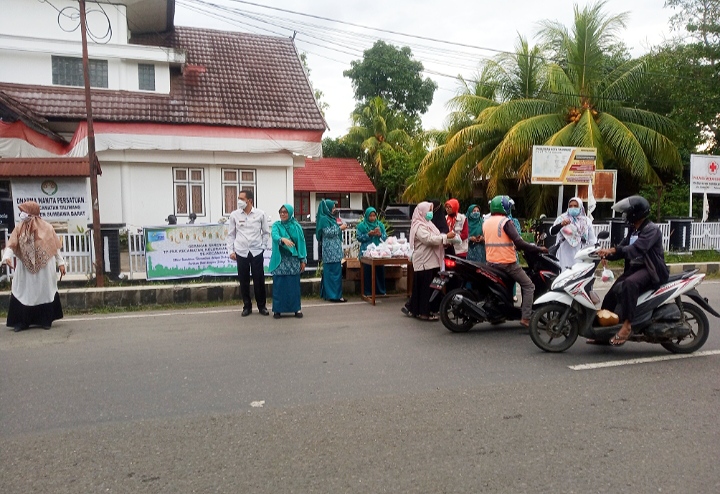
{"x": 184, "y": 117}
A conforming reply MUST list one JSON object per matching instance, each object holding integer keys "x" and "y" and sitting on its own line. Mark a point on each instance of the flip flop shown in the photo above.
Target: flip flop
{"x": 618, "y": 340}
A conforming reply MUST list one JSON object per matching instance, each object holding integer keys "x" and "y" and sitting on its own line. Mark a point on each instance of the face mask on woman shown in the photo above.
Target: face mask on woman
{"x": 574, "y": 211}
{"x": 429, "y": 215}
{"x": 23, "y": 216}
{"x": 475, "y": 215}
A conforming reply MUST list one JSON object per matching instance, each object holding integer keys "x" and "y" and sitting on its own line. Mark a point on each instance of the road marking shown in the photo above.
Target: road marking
{"x": 647, "y": 360}
{"x": 181, "y": 312}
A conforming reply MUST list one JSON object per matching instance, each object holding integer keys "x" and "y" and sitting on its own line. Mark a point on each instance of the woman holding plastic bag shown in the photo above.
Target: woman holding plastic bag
{"x": 574, "y": 232}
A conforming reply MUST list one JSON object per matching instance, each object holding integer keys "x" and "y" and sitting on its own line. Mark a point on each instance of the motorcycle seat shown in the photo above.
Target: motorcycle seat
{"x": 507, "y": 280}
{"x": 682, "y": 276}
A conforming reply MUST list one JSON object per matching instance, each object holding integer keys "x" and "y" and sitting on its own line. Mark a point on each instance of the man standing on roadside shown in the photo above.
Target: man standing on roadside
{"x": 248, "y": 237}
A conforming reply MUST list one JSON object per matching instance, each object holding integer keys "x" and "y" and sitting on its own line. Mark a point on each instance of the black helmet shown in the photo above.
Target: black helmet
{"x": 633, "y": 208}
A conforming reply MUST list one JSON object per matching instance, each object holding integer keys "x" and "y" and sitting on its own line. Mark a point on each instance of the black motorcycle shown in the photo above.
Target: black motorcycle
{"x": 477, "y": 292}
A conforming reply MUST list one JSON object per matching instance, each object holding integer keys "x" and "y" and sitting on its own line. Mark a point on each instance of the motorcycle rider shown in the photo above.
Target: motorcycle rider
{"x": 501, "y": 241}
{"x": 645, "y": 265}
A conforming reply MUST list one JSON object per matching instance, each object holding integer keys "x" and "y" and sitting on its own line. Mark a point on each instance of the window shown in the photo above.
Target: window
{"x": 189, "y": 191}
{"x": 341, "y": 200}
{"x": 146, "y": 77}
{"x": 68, "y": 71}
{"x": 302, "y": 205}
{"x": 233, "y": 181}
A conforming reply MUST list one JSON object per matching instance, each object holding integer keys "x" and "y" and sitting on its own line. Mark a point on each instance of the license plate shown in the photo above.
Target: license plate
{"x": 438, "y": 283}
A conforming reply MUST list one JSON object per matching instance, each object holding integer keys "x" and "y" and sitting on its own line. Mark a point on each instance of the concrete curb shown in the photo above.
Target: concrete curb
{"x": 148, "y": 295}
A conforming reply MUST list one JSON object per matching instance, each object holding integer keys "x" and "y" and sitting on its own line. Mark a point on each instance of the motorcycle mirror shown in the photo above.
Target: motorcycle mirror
{"x": 603, "y": 235}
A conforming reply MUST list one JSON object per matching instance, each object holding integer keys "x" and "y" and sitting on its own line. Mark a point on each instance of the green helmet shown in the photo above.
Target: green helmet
{"x": 502, "y": 205}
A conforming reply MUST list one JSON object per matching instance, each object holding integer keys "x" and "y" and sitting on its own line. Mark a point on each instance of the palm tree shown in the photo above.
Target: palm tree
{"x": 451, "y": 167}
{"x": 575, "y": 100}
{"x": 381, "y": 135}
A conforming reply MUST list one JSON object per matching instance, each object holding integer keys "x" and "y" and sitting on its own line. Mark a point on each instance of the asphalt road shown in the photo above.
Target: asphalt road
{"x": 352, "y": 398}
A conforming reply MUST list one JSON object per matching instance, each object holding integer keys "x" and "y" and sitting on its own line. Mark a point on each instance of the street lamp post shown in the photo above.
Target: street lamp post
{"x": 92, "y": 157}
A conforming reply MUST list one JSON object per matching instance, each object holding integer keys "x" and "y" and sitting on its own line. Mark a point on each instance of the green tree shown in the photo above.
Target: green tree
{"x": 339, "y": 147}
{"x": 581, "y": 101}
{"x": 380, "y": 134}
{"x": 393, "y": 75}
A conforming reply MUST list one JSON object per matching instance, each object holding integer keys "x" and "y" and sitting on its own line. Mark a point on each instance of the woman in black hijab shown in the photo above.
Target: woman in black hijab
{"x": 440, "y": 222}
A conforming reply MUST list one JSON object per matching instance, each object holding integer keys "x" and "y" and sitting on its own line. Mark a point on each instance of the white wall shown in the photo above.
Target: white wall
{"x": 137, "y": 188}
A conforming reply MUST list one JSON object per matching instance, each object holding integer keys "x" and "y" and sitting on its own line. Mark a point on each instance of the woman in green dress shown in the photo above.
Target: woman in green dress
{"x": 476, "y": 244}
{"x": 329, "y": 234}
{"x": 288, "y": 260}
{"x": 371, "y": 231}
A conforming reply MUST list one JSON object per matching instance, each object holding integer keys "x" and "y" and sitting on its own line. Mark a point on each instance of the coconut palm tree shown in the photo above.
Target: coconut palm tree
{"x": 575, "y": 100}
{"x": 451, "y": 167}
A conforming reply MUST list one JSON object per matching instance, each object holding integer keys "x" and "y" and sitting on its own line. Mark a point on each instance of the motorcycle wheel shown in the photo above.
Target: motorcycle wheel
{"x": 545, "y": 332}
{"x": 699, "y": 331}
{"x": 456, "y": 322}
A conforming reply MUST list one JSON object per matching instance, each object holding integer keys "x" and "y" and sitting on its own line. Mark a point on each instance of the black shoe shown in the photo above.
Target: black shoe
{"x": 246, "y": 312}
{"x": 264, "y": 311}
{"x": 298, "y": 314}
{"x": 46, "y": 327}
{"x": 17, "y": 329}
{"x": 277, "y": 315}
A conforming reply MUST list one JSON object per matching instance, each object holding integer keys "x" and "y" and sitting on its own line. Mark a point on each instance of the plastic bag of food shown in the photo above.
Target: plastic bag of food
{"x": 607, "y": 275}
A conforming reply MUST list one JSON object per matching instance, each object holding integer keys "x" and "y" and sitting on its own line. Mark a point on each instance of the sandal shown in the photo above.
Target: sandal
{"x": 618, "y": 340}
{"x": 428, "y": 318}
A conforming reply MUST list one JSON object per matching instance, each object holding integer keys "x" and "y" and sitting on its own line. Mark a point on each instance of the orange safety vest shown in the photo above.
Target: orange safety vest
{"x": 499, "y": 248}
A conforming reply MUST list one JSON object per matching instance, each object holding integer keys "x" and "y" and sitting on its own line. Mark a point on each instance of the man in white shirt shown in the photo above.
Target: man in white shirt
{"x": 248, "y": 237}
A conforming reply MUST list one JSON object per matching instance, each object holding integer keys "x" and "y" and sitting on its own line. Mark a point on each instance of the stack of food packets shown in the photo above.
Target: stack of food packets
{"x": 392, "y": 247}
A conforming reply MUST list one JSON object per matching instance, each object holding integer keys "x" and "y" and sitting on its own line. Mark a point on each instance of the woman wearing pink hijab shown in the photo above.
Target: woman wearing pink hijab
{"x": 428, "y": 254}
{"x": 34, "y": 299}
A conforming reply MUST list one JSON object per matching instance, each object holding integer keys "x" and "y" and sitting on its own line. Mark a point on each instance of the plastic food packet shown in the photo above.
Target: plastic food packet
{"x": 607, "y": 275}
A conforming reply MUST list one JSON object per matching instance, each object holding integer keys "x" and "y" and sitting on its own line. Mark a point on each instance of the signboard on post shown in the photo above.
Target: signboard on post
{"x": 704, "y": 174}
{"x": 189, "y": 251}
{"x": 60, "y": 199}
{"x": 604, "y": 187}
{"x": 561, "y": 165}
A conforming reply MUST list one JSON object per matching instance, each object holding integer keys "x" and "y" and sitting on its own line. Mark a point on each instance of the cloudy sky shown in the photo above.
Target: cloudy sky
{"x": 476, "y": 29}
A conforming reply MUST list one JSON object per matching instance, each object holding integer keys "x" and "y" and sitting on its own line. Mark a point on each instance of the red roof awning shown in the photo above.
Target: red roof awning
{"x": 332, "y": 175}
{"x": 44, "y": 167}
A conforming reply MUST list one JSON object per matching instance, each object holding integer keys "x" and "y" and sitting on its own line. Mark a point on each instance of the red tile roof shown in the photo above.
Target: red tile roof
{"x": 44, "y": 167}
{"x": 332, "y": 175}
{"x": 249, "y": 81}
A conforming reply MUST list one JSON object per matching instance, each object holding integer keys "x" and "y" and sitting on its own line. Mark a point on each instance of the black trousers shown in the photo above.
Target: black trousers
{"x": 419, "y": 303}
{"x": 255, "y": 264}
{"x": 625, "y": 292}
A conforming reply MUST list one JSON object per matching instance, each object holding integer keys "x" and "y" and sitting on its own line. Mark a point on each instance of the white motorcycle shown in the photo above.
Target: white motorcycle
{"x": 568, "y": 310}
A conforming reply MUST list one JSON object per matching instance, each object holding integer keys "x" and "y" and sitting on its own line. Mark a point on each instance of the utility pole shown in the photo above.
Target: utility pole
{"x": 92, "y": 157}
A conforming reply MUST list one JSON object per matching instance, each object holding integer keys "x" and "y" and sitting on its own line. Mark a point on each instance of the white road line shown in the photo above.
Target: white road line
{"x": 183, "y": 312}
{"x": 648, "y": 360}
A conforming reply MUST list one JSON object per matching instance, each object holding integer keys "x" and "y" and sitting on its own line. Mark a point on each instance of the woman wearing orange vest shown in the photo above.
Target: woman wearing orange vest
{"x": 501, "y": 240}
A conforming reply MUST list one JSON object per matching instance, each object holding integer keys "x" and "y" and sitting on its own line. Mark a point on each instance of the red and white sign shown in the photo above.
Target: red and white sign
{"x": 704, "y": 176}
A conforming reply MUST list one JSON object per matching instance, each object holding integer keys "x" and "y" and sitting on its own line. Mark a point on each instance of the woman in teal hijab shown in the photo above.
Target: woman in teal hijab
{"x": 329, "y": 235}
{"x": 476, "y": 244}
{"x": 289, "y": 256}
{"x": 371, "y": 231}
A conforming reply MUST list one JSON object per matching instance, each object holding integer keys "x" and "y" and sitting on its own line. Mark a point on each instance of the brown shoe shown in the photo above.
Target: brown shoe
{"x": 525, "y": 322}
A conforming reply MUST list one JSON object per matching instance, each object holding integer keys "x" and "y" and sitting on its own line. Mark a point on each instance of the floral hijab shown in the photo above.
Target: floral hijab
{"x": 577, "y": 231}
{"x": 34, "y": 241}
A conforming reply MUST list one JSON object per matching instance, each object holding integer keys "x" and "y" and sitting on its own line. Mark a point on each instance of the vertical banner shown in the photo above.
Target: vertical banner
{"x": 189, "y": 251}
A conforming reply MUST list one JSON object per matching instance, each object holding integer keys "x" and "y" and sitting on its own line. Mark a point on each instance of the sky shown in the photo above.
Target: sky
{"x": 482, "y": 26}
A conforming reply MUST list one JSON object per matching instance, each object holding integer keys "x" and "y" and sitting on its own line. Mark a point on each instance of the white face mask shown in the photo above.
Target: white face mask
{"x": 23, "y": 216}
{"x": 241, "y": 204}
